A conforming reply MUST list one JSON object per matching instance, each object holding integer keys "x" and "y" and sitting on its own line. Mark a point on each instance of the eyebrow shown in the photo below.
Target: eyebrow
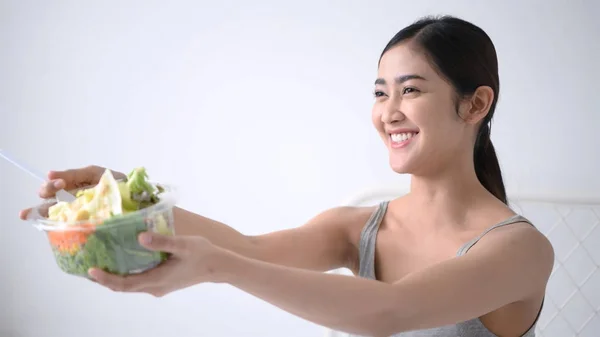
{"x": 401, "y": 79}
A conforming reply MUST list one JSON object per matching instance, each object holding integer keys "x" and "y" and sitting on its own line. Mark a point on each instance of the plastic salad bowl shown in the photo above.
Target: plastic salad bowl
{"x": 102, "y": 230}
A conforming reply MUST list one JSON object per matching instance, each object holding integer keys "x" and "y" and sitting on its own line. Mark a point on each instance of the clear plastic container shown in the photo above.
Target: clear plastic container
{"x": 112, "y": 244}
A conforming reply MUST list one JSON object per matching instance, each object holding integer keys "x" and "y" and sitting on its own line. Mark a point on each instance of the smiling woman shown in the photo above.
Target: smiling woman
{"x": 447, "y": 259}
{"x": 441, "y": 63}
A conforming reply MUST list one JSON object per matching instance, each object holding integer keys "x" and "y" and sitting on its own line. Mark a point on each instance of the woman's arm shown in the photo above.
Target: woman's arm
{"x": 508, "y": 265}
{"x": 322, "y": 244}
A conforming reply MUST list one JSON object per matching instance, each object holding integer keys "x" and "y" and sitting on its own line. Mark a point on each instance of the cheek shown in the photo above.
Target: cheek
{"x": 444, "y": 138}
{"x": 376, "y": 118}
{"x": 440, "y": 133}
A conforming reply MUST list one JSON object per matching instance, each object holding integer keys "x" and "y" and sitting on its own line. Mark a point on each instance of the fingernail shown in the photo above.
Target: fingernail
{"x": 58, "y": 184}
{"x": 145, "y": 238}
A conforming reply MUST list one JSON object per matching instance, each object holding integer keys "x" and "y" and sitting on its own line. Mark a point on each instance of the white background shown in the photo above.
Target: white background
{"x": 259, "y": 111}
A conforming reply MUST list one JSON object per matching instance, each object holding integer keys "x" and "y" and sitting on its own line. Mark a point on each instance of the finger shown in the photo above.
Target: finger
{"x": 24, "y": 213}
{"x": 70, "y": 179}
{"x": 83, "y": 174}
{"x": 42, "y": 210}
{"x": 156, "y": 292}
{"x": 143, "y": 282}
{"x": 73, "y": 179}
{"x": 130, "y": 283}
{"x": 48, "y": 189}
{"x": 166, "y": 243}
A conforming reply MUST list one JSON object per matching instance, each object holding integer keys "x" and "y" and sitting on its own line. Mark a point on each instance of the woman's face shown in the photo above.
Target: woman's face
{"x": 415, "y": 114}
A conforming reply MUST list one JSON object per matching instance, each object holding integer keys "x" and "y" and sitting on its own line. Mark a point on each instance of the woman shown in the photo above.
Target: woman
{"x": 450, "y": 258}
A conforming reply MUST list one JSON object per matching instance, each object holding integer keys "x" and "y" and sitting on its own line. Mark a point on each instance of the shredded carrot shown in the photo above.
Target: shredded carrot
{"x": 70, "y": 241}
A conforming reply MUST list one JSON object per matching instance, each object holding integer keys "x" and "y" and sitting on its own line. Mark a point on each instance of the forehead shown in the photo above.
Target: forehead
{"x": 402, "y": 60}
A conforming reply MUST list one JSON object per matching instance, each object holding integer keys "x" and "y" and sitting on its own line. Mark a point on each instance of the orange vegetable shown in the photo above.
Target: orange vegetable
{"x": 70, "y": 241}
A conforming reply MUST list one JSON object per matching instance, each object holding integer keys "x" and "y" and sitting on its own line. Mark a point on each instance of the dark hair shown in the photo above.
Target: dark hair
{"x": 465, "y": 56}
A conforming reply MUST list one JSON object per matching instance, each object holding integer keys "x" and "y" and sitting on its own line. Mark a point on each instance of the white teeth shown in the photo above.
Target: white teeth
{"x": 400, "y": 137}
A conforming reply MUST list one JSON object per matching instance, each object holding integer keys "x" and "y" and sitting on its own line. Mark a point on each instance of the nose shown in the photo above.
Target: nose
{"x": 392, "y": 113}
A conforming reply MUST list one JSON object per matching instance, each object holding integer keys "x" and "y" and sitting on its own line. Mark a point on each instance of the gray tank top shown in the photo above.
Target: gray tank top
{"x": 470, "y": 328}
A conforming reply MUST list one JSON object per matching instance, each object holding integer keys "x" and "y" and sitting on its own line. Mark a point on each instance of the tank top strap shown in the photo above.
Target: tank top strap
{"x": 512, "y": 220}
{"x": 368, "y": 238}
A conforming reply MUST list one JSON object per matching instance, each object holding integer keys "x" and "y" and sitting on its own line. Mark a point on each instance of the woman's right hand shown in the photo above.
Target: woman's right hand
{"x": 69, "y": 180}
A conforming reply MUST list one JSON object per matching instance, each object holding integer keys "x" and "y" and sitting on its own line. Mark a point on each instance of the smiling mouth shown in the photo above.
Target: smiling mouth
{"x": 402, "y": 139}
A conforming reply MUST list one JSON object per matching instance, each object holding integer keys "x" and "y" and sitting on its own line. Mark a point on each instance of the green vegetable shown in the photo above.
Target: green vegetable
{"x": 95, "y": 254}
{"x": 137, "y": 182}
{"x": 113, "y": 247}
{"x": 120, "y": 234}
{"x": 128, "y": 204}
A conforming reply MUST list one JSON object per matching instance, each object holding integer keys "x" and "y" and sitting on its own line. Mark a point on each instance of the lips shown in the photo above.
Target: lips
{"x": 402, "y": 139}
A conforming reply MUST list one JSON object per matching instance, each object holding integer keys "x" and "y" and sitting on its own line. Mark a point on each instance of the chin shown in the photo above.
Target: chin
{"x": 400, "y": 167}
{"x": 400, "y": 170}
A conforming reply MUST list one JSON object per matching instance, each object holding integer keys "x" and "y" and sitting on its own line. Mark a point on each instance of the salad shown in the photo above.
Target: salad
{"x": 100, "y": 227}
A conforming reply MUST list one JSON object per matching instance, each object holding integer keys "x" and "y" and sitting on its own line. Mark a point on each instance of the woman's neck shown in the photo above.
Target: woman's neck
{"x": 448, "y": 195}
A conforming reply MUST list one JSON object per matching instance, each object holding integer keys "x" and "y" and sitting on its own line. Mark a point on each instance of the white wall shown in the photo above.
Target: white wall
{"x": 260, "y": 112}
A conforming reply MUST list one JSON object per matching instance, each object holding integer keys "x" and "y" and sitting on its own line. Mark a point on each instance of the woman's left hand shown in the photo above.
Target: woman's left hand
{"x": 191, "y": 263}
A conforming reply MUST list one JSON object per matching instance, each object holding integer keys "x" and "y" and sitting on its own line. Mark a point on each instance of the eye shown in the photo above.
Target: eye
{"x": 378, "y": 93}
{"x": 409, "y": 90}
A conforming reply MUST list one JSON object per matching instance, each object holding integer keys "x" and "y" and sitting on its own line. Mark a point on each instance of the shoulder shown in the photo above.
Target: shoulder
{"x": 518, "y": 246}
{"x": 521, "y": 235}
{"x": 345, "y": 217}
{"x": 344, "y": 222}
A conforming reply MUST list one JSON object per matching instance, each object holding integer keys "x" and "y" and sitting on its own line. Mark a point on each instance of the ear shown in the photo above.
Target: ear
{"x": 477, "y": 106}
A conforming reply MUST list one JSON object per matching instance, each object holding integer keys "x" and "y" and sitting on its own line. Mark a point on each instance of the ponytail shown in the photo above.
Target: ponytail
{"x": 487, "y": 166}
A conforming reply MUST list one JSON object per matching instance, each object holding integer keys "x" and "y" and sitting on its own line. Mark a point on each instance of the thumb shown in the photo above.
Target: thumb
{"x": 165, "y": 243}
